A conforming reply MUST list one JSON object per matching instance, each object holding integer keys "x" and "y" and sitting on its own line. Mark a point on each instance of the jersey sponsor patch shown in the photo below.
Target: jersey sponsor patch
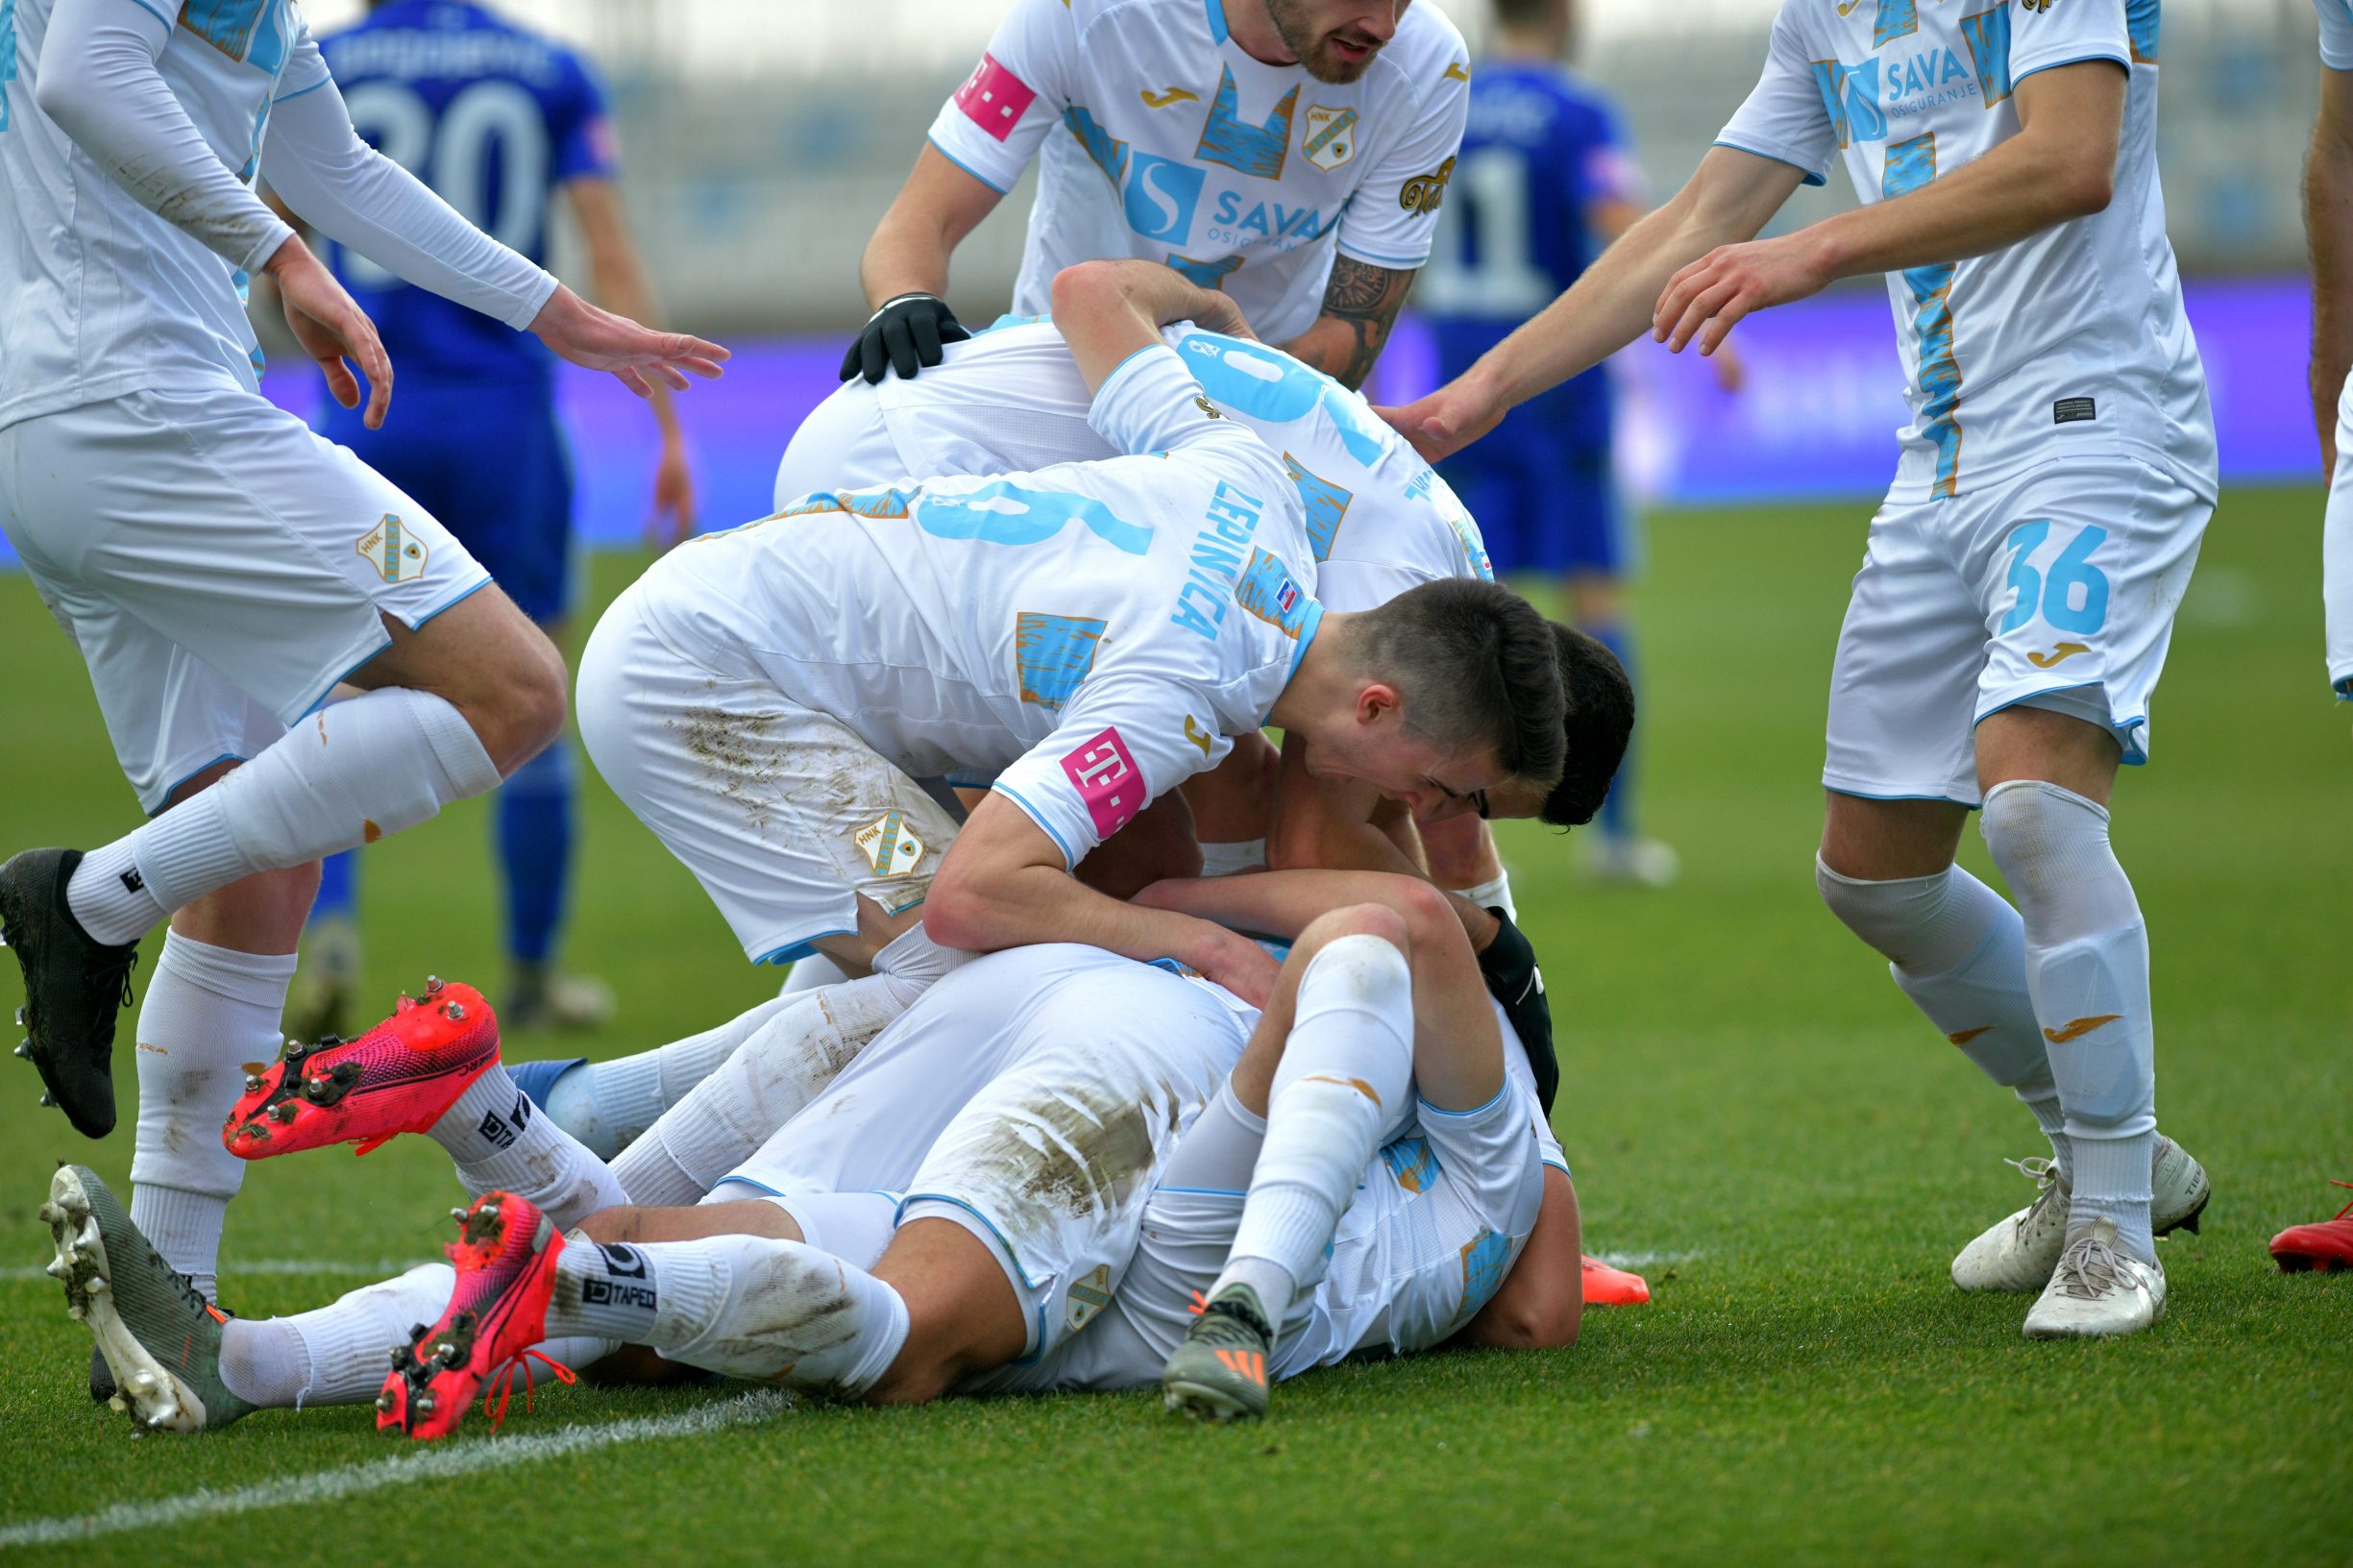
{"x": 397, "y": 555}
{"x": 2074, "y": 410}
{"x": 1330, "y": 136}
{"x": 1103, "y": 772}
{"x": 1268, "y": 590}
{"x": 1422, "y": 194}
{"x": 993, "y": 98}
{"x": 888, "y": 846}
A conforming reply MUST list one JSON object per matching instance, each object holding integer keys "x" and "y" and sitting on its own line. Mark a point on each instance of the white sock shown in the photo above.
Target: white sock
{"x": 344, "y": 776}
{"x": 916, "y": 962}
{"x": 1229, "y": 859}
{"x": 1493, "y": 893}
{"x": 815, "y": 972}
{"x": 749, "y": 1307}
{"x": 2086, "y": 968}
{"x": 1345, "y": 1073}
{"x": 502, "y": 1143}
{"x": 785, "y": 1064}
{"x": 1958, "y": 951}
{"x": 209, "y": 1012}
{"x": 608, "y": 1105}
{"x": 2039, "y": 1093}
{"x": 334, "y": 1354}
{"x": 607, "y": 1289}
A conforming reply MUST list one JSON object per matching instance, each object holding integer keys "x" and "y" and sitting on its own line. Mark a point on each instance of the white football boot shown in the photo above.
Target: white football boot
{"x": 2098, "y": 1290}
{"x": 2020, "y": 1253}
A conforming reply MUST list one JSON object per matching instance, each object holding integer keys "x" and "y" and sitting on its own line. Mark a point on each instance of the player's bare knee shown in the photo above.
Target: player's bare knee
{"x": 1389, "y": 924}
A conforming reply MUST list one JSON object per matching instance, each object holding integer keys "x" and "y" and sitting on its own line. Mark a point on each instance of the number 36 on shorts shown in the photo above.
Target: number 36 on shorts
{"x": 2056, "y": 578}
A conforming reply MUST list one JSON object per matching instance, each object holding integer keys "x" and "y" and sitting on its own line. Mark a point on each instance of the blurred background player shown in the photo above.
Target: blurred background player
{"x": 1545, "y": 182}
{"x": 499, "y": 122}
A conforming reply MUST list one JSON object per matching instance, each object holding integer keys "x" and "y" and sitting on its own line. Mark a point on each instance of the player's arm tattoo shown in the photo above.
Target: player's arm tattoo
{"x": 1361, "y": 302}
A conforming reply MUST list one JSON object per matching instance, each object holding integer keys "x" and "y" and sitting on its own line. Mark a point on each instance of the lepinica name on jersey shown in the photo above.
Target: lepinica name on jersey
{"x": 1232, "y": 519}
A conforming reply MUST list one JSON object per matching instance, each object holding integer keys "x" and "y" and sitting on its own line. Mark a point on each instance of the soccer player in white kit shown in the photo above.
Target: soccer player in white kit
{"x": 1085, "y": 636}
{"x": 2328, "y": 203}
{"x": 2018, "y": 591}
{"x": 219, "y": 567}
{"x": 1292, "y": 152}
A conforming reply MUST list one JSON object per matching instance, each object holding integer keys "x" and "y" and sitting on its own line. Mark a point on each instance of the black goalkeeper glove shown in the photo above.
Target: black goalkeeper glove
{"x": 1509, "y": 964}
{"x": 906, "y": 333}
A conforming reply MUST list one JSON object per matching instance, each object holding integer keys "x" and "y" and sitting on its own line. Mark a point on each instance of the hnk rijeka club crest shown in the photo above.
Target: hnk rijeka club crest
{"x": 397, "y": 555}
{"x": 1330, "y": 138}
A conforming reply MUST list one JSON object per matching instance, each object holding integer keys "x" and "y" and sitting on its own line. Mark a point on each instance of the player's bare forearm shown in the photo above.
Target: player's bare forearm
{"x": 1360, "y": 305}
{"x": 2328, "y": 226}
{"x": 1107, "y": 310}
{"x": 1002, "y": 885}
{"x": 1730, "y": 198}
{"x": 2060, "y": 165}
{"x": 938, "y": 206}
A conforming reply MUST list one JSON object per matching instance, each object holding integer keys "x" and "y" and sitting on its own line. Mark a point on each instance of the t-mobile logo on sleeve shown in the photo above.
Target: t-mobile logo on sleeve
{"x": 993, "y": 98}
{"x": 1103, "y": 772}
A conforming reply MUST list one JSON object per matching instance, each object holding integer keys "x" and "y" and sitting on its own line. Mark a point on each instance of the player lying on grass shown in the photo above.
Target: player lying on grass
{"x": 1039, "y": 1110}
{"x": 1086, "y": 636}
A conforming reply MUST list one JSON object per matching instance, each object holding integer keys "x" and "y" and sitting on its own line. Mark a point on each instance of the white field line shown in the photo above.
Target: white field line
{"x": 419, "y": 1463}
{"x": 383, "y": 1268}
{"x": 1647, "y": 1260}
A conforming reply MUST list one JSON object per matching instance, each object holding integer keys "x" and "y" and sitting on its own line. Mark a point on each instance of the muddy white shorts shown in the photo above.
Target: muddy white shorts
{"x": 2055, "y": 589}
{"x": 784, "y": 814}
{"x": 219, "y": 565}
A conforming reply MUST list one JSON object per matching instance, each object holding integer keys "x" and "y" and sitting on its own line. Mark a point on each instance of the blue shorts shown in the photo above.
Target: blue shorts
{"x": 493, "y": 465}
{"x": 1542, "y": 508}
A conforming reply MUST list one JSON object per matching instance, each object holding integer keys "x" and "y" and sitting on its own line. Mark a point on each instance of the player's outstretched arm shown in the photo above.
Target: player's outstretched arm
{"x": 617, "y": 270}
{"x": 1730, "y": 197}
{"x": 1107, "y": 310}
{"x": 2328, "y": 225}
{"x": 1003, "y": 883}
{"x": 2060, "y": 165}
{"x": 1360, "y": 305}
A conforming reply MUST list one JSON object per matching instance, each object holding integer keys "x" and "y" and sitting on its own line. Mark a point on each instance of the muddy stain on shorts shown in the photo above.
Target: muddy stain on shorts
{"x": 1080, "y": 1153}
{"x": 738, "y": 758}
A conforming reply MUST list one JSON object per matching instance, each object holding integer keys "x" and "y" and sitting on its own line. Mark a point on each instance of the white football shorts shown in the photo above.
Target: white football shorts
{"x": 2055, "y": 589}
{"x": 784, "y": 814}
{"x": 219, "y": 565}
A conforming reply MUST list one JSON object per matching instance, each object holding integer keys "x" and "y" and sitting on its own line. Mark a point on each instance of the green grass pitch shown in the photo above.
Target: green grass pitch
{"x": 1749, "y": 1102}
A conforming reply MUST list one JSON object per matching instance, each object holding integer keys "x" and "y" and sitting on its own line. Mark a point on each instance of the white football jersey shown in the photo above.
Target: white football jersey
{"x": 102, "y": 297}
{"x": 2073, "y": 340}
{"x": 1379, "y": 520}
{"x": 2336, "y": 34}
{"x": 1098, "y": 631}
{"x": 1164, "y": 141}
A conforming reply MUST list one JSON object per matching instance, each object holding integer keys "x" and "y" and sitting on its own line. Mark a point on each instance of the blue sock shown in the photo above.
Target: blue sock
{"x": 534, "y": 831}
{"x": 338, "y": 888}
{"x": 1617, "y": 813}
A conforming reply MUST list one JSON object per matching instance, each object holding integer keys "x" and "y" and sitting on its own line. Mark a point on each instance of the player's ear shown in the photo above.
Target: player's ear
{"x": 1377, "y": 700}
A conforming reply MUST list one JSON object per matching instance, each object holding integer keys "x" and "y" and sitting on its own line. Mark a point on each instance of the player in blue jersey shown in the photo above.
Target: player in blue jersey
{"x": 501, "y": 122}
{"x": 1545, "y": 180}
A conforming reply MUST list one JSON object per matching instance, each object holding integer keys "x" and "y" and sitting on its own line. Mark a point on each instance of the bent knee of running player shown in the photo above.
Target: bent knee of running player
{"x": 486, "y": 659}
{"x": 963, "y": 1316}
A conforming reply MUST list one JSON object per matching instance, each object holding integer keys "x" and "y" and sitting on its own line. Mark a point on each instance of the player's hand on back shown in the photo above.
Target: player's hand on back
{"x": 333, "y": 330}
{"x": 600, "y": 340}
{"x": 1444, "y": 422}
{"x": 904, "y": 335}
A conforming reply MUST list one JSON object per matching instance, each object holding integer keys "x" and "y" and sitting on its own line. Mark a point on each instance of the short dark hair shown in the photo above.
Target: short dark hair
{"x": 1476, "y": 666}
{"x": 1520, "y": 12}
{"x": 1598, "y": 724}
